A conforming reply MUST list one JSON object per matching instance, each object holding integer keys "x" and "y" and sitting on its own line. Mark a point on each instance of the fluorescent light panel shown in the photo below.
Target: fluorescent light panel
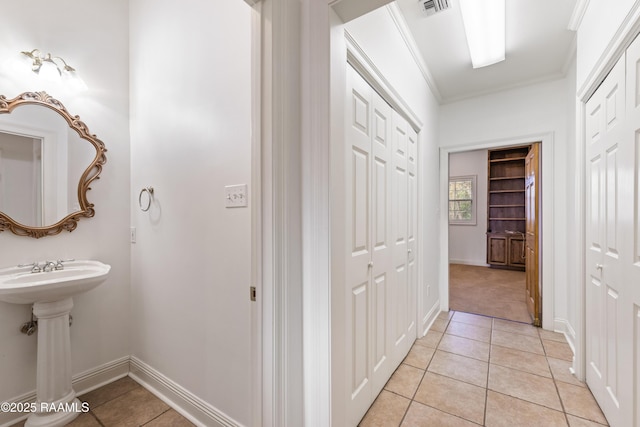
{"x": 484, "y": 24}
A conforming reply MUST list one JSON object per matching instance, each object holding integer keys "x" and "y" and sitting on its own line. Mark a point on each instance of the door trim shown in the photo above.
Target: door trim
{"x": 546, "y": 225}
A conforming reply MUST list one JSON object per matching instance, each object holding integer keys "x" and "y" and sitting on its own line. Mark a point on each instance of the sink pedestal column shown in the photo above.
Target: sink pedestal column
{"x": 55, "y": 399}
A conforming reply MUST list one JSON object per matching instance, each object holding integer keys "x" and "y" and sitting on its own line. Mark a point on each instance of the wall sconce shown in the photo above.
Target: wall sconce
{"x": 53, "y": 69}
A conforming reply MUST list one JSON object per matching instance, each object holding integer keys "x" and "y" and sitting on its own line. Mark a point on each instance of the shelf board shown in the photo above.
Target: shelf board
{"x": 510, "y": 159}
{"x": 506, "y": 191}
{"x": 507, "y": 219}
{"x": 506, "y": 206}
{"x": 504, "y": 178}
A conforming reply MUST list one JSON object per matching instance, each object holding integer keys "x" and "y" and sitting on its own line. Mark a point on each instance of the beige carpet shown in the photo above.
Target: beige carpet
{"x": 488, "y": 291}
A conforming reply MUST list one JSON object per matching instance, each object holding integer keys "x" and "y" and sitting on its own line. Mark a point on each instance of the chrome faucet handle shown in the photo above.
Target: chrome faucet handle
{"x": 60, "y": 265}
{"x": 27, "y": 265}
{"x": 35, "y": 268}
{"x": 49, "y": 266}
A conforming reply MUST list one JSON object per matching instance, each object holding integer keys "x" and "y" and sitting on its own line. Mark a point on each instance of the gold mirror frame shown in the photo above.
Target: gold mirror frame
{"x": 91, "y": 173}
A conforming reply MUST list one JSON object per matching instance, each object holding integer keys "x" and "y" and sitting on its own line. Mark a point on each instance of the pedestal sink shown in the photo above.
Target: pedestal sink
{"x": 51, "y": 294}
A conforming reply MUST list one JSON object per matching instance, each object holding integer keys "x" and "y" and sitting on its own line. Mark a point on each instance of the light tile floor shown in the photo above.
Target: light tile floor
{"x": 472, "y": 370}
{"x": 469, "y": 370}
{"x": 125, "y": 403}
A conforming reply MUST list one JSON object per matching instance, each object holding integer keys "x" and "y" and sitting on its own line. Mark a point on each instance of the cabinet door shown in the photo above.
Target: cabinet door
{"x": 517, "y": 254}
{"x": 497, "y": 250}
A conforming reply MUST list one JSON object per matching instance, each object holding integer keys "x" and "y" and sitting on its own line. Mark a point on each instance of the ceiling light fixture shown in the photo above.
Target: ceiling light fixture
{"x": 484, "y": 24}
{"x": 53, "y": 68}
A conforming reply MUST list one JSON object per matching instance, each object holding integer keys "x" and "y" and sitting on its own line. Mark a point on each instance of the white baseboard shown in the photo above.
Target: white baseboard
{"x": 102, "y": 375}
{"x": 564, "y": 327}
{"x": 431, "y": 316}
{"x": 183, "y": 401}
{"x": 82, "y": 383}
{"x": 468, "y": 262}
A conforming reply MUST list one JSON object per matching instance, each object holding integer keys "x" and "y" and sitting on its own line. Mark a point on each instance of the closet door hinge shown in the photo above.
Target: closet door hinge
{"x": 252, "y": 293}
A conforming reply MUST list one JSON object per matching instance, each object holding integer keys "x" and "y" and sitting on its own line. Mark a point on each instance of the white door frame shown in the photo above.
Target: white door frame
{"x": 290, "y": 220}
{"x": 546, "y": 223}
{"x": 293, "y": 256}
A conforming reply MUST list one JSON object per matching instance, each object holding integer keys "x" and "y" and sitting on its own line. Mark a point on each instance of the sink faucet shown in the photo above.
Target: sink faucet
{"x": 49, "y": 266}
{"x": 46, "y": 266}
{"x": 35, "y": 267}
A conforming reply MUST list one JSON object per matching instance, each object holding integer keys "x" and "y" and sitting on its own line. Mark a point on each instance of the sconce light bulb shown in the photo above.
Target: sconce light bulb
{"x": 71, "y": 78}
{"x": 49, "y": 71}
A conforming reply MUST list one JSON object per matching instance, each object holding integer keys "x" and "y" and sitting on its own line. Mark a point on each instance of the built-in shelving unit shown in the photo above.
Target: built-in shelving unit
{"x": 506, "y": 208}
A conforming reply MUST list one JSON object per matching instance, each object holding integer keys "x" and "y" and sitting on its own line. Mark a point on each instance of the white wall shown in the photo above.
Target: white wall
{"x": 468, "y": 243}
{"x": 531, "y": 110}
{"x": 93, "y": 37}
{"x": 190, "y": 133}
{"x": 600, "y": 24}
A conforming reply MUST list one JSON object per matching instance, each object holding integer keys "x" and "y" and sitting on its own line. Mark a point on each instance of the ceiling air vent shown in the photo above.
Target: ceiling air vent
{"x": 434, "y": 6}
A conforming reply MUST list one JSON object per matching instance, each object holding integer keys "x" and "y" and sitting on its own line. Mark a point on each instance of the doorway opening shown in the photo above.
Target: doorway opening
{"x": 493, "y": 221}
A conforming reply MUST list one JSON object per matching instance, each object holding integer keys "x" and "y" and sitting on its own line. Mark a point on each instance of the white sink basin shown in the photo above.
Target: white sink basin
{"x": 19, "y": 286}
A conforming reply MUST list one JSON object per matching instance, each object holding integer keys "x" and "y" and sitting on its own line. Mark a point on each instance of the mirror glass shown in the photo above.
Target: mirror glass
{"x": 45, "y": 166}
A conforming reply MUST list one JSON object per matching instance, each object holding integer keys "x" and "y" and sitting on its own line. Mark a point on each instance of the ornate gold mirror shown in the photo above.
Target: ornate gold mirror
{"x": 48, "y": 159}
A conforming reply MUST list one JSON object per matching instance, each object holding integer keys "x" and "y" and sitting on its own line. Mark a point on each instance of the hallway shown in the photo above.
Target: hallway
{"x": 472, "y": 370}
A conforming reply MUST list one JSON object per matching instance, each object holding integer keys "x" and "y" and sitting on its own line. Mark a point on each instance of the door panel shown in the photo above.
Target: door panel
{"x": 381, "y": 261}
{"x": 532, "y": 238}
{"x": 497, "y": 250}
{"x": 369, "y": 234}
{"x": 360, "y": 191}
{"x": 412, "y": 224}
{"x": 631, "y": 193}
{"x": 400, "y": 236}
{"x": 605, "y": 321}
{"x": 360, "y": 321}
{"x": 358, "y": 237}
{"x": 517, "y": 252}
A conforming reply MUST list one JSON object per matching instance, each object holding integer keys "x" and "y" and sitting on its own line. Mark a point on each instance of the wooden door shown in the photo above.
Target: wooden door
{"x": 532, "y": 240}
{"x": 605, "y": 116}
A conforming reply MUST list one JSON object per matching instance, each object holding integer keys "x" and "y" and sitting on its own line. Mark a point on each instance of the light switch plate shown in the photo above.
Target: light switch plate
{"x": 236, "y": 196}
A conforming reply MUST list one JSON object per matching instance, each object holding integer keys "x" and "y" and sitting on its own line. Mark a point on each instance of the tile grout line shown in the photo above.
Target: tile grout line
{"x": 95, "y": 417}
{"x": 423, "y": 374}
{"x": 553, "y": 378}
{"x": 486, "y": 390}
{"x": 156, "y": 417}
{"x": 434, "y": 373}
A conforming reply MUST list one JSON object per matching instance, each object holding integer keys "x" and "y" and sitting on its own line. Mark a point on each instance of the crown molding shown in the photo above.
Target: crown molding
{"x": 577, "y": 15}
{"x": 405, "y": 32}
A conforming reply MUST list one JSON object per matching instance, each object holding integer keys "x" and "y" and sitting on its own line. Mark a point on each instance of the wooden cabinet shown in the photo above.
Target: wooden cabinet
{"x": 506, "y": 208}
{"x": 506, "y": 250}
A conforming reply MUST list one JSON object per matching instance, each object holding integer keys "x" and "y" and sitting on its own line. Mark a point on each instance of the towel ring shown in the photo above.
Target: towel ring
{"x": 149, "y": 191}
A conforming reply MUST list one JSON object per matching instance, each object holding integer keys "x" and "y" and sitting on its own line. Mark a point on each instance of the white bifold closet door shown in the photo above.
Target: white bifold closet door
{"x": 404, "y": 237}
{"x": 380, "y": 225}
{"x": 612, "y": 242}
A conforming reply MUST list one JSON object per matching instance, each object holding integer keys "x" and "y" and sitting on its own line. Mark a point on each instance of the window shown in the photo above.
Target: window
{"x": 462, "y": 207}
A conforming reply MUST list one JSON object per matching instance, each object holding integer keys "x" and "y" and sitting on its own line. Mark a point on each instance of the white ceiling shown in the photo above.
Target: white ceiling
{"x": 538, "y": 46}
